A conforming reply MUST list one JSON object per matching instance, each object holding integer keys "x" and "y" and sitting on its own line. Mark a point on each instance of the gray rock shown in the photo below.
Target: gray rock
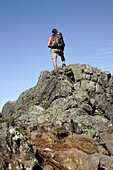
{"x": 76, "y": 99}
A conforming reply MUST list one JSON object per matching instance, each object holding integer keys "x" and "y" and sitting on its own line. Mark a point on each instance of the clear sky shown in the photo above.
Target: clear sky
{"x": 25, "y": 26}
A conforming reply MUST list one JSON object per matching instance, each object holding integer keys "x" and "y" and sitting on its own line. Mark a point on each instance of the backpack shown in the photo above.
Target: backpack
{"x": 58, "y": 41}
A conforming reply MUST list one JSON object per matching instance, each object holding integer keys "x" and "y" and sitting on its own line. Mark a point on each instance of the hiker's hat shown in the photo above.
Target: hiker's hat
{"x": 54, "y": 31}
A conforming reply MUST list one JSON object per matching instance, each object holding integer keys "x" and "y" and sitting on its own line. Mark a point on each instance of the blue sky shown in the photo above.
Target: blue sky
{"x": 25, "y": 26}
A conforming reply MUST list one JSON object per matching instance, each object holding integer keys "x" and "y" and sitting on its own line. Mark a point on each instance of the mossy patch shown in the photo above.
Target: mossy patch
{"x": 46, "y": 105}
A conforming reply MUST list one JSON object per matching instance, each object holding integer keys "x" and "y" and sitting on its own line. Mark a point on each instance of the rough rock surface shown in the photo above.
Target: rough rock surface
{"x": 65, "y": 122}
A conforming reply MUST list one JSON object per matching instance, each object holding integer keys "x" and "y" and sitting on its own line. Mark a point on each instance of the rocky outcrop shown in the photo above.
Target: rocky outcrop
{"x": 64, "y": 122}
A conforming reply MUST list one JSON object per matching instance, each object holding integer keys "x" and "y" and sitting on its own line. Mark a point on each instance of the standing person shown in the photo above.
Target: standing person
{"x": 56, "y": 43}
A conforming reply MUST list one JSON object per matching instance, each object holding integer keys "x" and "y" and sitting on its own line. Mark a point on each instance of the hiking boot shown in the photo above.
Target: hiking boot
{"x": 63, "y": 64}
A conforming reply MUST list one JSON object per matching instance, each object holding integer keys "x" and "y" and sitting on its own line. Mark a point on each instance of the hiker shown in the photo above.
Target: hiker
{"x": 56, "y": 43}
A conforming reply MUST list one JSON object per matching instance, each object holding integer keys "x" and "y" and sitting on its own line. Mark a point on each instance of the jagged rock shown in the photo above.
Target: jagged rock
{"x": 82, "y": 142}
{"x": 76, "y": 159}
{"x": 105, "y": 162}
{"x": 107, "y": 140}
{"x": 64, "y": 121}
{"x": 48, "y": 167}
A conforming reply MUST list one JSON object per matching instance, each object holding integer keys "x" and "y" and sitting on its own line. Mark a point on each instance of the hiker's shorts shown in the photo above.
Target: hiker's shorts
{"x": 55, "y": 52}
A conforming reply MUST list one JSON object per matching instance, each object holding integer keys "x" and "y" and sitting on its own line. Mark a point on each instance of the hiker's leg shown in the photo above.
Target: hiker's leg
{"x": 61, "y": 54}
{"x": 54, "y": 63}
{"x": 62, "y": 57}
{"x": 54, "y": 58}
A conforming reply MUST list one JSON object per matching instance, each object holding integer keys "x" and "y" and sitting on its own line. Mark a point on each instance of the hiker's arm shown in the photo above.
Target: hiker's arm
{"x": 49, "y": 42}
